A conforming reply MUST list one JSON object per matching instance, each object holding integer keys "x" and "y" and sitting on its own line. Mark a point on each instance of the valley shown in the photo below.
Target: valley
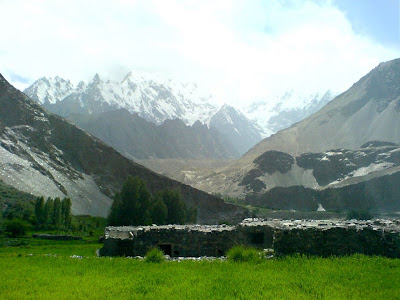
{"x": 200, "y": 149}
{"x": 336, "y": 150}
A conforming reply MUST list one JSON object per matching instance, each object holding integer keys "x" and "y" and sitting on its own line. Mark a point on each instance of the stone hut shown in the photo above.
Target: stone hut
{"x": 312, "y": 237}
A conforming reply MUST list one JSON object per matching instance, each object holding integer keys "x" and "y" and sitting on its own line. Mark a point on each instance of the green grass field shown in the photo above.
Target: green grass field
{"x": 49, "y": 270}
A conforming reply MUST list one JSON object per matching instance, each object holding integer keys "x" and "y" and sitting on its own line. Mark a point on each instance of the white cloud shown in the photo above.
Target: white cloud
{"x": 242, "y": 50}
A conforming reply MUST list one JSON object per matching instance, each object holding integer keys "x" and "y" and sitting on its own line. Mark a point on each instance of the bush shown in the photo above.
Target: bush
{"x": 154, "y": 255}
{"x": 244, "y": 254}
{"x": 16, "y": 228}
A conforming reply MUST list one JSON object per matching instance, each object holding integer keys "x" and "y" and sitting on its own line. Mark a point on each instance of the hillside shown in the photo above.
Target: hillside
{"x": 137, "y": 138}
{"x": 369, "y": 110}
{"x": 43, "y": 154}
{"x": 297, "y": 169}
{"x": 152, "y": 97}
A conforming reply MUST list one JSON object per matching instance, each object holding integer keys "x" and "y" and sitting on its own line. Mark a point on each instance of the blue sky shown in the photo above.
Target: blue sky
{"x": 240, "y": 50}
{"x": 379, "y": 19}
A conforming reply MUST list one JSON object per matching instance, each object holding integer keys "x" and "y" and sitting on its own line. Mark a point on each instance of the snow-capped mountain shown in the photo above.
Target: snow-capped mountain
{"x": 50, "y": 90}
{"x": 241, "y": 132}
{"x": 157, "y": 99}
{"x": 45, "y": 155}
{"x": 154, "y": 98}
{"x": 282, "y": 111}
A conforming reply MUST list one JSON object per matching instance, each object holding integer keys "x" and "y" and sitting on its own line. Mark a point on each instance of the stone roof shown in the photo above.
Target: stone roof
{"x": 124, "y": 232}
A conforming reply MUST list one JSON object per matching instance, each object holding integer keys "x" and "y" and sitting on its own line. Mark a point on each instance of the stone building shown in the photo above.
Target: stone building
{"x": 313, "y": 237}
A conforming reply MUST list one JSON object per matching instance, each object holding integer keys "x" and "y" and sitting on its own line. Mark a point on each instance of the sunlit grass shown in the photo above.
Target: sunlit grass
{"x": 49, "y": 271}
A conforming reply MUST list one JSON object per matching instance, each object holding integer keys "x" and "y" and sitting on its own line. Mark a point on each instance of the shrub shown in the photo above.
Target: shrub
{"x": 154, "y": 255}
{"x": 235, "y": 253}
{"x": 244, "y": 254}
{"x": 16, "y": 228}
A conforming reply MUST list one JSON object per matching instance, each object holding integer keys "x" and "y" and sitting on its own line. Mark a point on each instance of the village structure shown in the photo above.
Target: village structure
{"x": 284, "y": 237}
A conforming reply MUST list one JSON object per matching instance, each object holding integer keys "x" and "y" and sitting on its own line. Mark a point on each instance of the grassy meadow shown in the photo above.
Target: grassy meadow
{"x": 40, "y": 269}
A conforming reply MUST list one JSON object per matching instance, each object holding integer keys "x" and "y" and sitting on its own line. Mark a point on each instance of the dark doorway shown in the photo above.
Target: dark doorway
{"x": 166, "y": 248}
{"x": 257, "y": 238}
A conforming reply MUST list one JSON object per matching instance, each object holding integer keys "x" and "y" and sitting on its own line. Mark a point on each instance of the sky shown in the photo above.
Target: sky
{"x": 242, "y": 51}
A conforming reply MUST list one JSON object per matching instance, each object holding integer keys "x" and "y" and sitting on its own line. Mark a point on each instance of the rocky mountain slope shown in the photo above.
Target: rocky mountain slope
{"x": 240, "y": 131}
{"x": 157, "y": 99}
{"x": 297, "y": 163}
{"x": 152, "y": 97}
{"x": 337, "y": 180}
{"x": 137, "y": 138}
{"x": 341, "y": 179}
{"x": 369, "y": 110}
{"x": 43, "y": 154}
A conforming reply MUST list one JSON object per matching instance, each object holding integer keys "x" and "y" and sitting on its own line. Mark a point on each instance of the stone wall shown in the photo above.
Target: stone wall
{"x": 323, "y": 238}
{"x": 58, "y": 237}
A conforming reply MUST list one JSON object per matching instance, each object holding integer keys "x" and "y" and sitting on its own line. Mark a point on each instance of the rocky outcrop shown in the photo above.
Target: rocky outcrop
{"x": 339, "y": 180}
{"x": 377, "y": 195}
{"x": 269, "y": 162}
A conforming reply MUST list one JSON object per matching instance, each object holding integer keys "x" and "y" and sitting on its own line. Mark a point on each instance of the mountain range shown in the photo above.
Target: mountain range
{"x": 153, "y": 98}
{"x": 139, "y": 139}
{"x": 346, "y": 152}
{"x": 43, "y": 154}
{"x": 369, "y": 110}
{"x": 158, "y": 99}
{"x": 343, "y": 155}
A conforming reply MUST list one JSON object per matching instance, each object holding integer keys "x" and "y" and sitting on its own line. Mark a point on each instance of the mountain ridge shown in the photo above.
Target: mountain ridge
{"x": 44, "y": 154}
{"x": 371, "y": 115}
{"x": 151, "y": 97}
{"x": 137, "y": 138}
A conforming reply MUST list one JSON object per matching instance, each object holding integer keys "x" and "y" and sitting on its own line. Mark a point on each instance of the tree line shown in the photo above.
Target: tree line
{"x": 53, "y": 213}
{"x": 135, "y": 205}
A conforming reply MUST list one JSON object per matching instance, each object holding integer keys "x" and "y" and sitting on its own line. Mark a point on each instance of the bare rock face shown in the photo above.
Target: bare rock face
{"x": 44, "y": 154}
{"x": 269, "y": 162}
{"x": 338, "y": 180}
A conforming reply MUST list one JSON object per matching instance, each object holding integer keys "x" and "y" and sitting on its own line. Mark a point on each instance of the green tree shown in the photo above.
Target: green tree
{"x": 56, "y": 220}
{"x": 158, "y": 211}
{"x": 131, "y": 206}
{"x": 113, "y": 216}
{"x": 175, "y": 206}
{"x": 16, "y": 228}
{"x": 66, "y": 215}
{"x": 191, "y": 214}
{"x": 48, "y": 212}
{"x": 39, "y": 211}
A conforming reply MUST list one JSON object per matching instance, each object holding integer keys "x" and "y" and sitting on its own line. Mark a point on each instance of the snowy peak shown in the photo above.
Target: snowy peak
{"x": 237, "y": 127}
{"x": 154, "y": 98}
{"x": 96, "y": 79}
{"x": 282, "y": 111}
{"x": 49, "y": 90}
